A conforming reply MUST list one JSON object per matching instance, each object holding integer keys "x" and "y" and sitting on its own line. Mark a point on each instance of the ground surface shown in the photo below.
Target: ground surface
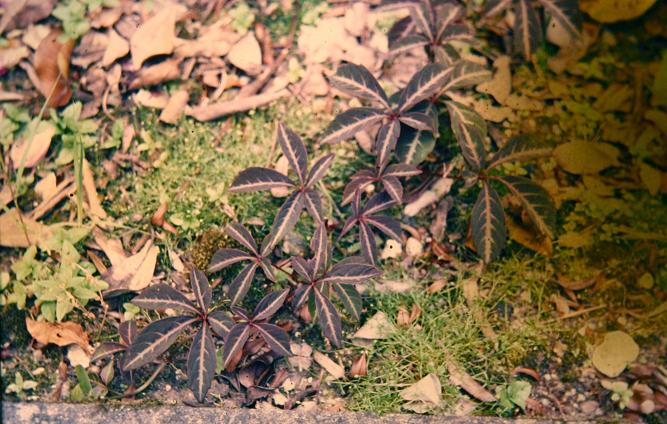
{"x": 524, "y": 329}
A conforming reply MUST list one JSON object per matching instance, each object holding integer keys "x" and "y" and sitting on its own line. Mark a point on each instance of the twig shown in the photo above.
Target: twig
{"x": 577, "y": 313}
{"x": 217, "y": 110}
{"x": 148, "y": 382}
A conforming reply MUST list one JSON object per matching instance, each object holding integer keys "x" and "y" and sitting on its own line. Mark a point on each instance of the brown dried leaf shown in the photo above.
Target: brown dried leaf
{"x": 163, "y": 71}
{"x": 127, "y": 273}
{"x": 424, "y": 395}
{"x": 173, "y": 111}
{"x": 13, "y": 233}
{"x": 51, "y": 64}
{"x": 463, "y": 380}
{"x": 359, "y": 367}
{"x": 336, "y": 370}
{"x": 247, "y": 55}
{"x": 157, "y": 35}
{"x": 91, "y": 192}
{"x": 21, "y": 13}
{"x": 116, "y": 48}
{"x": 61, "y": 334}
{"x": 38, "y": 147}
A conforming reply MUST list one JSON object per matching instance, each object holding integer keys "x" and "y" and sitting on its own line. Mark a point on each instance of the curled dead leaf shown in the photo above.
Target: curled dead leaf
{"x": 21, "y": 231}
{"x": 61, "y": 334}
{"x": 157, "y": 35}
{"x": 51, "y": 62}
{"x": 359, "y": 367}
{"x": 424, "y": 395}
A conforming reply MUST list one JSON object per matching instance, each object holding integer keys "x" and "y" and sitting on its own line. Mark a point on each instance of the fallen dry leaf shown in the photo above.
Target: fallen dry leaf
{"x": 424, "y": 395}
{"x": 13, "y": 233}
{"x": 90, "y": 49}
{"x": 174, "y": 108}
{"x": 616, "y": 351}
{"x": 214, "y": 41}
{"x": 359, "y": 367}
{"x": 51, "y": 64}
{"x": 151, "y": 100}
{"x": 34, "y": 150}
{"x": 301, "y": 357}
{"x": 247, "y": 55}
{"x": 21, "y": 13}
{"x": 463, "y": 380}
{"x": 127, "y": 272}
{"x": 531, "y": 240}
{"x": 11, "y": 56}
{"x": 608, "y": 11}
{"x": 377, "y": 327}
{"x": 61, "y": 334}
{"x": 116, "y": 48}
{"x": 76, "y": 355}
{"x": 500, "y": 85}
{"x": 586, "y": 157}
{"x": 46, "y": 187}
{"x": 334, "y": 369}
{"x": 157, "y": 35}
{"x": 91, "y": 192}
{"x": 164, "y": 71}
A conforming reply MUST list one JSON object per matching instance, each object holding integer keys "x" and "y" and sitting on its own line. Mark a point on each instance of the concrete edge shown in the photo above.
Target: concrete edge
{"x": 47, "y": 413}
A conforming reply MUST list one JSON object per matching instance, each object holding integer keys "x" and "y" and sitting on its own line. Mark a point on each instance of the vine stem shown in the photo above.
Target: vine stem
{"x": 148, "y": 382}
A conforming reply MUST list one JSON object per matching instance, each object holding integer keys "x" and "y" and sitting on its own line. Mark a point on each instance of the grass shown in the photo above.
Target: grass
{"x": 447, "y": 330}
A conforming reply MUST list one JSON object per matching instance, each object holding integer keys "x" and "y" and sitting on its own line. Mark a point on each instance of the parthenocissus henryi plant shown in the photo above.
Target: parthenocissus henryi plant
{"x": 409, "y": 124}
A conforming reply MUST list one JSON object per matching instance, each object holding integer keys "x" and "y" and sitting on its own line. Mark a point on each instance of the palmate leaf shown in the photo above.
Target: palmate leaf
{"x": 425, "y": 83}
{"x": 161, "y": 297}
{"x": 106, "y": 349}
{"x": 358, "y": 81}
{"x": 422, "y": 16}
{"x": 407, "y": 43}
{"x": 241, "y": 284}
{"x": 401, "y": 28}
{"x": 535, "y": 200}
{"x": 312, "y": 200}
{"x": 413, "y": 146}
{"x": 385, "y": 143}
{"x": 225, "y": 257}
{"x": 294, "y": 151}
{"x": 527, "y": 28}
{"x": 446, "y": 55}
{"x": 285, "y": 220}
{"x": 350, "y": 122}
{"x": 201, "y": 289}
{"x": 350, "y": 273}
{"x": 402, "y": 170}
{"x": 496, "y": 7}
{"x": 350, "y": 298}
{"x": 520, "y": 148}
{"x": 127, "y": 331}
{"x": 469, "y": 130}
{"x": 328, "y": 318}
{"x": 275, "y": 337}
{"x": 446, "y": 16}
{"x": 154, "y": 340}
{"x": 488, "y": 224}
{"x": 201, "y": 363}
{"x": 241, "y": 234}
{"x": 321, "y": 249}
{"x": 234, "y": 343}
{"x": 419, "y": 121}
{"x": 566, "y": 12}
{"x": 257, "y": 178}
{"x": 369, "y": 247}
{"x": 466, "y": 74}
{"x": 393, "y": 186}
{"x": 319, "y": 169}
{"x": 269, "y": 305}
{"x": 388, "y": 225}
{"x": 220, "y": 323}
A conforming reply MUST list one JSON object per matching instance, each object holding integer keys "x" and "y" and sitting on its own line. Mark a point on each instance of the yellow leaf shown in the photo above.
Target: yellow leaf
{"x": 607, "y": 11}
{"x": 586, "y": 157}
{"x": 616, "y": 351}
{"x": 14, "y": 234}
{"x": 528, "y": 239}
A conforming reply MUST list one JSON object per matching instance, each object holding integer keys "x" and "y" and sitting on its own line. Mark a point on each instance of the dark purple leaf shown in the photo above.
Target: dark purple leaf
{"x": 469, "y": 130}
{"x": 267, "y": 268}
{"x": 379, "y": 202}
{"x": 350, "y": 273}
{"x": 425, "y": 83}
{"x": 466, "y": 74}
{"x": 385, "y": 143}
{"x": 394, "y": 187}
{"x": 527, "y": 28}
{"x": 285, "y": 220}
{"x": 201, "y": 363}
{"x": 566, "y": 13}
{"x": 256, "y": 178}
{"x": 488, "y": 224}
{"x": 319, "y": 245}
{"x": 269, "y": 305}
{"x": 303, "y": 268}
{"x": 319, "y": 169}
{"x": 300, "y": 296}
{"x": 401, "y": 170}
{"x": 367, "y": 240}
{"x": 389, "y": 226}
{"x": 226, "y": 257}
{"x": 350, "y": 122}
{"x": 201, "y": 289}
{"x": 349, "y": 224}
{"x": 313, "y": 201}
{"x": 241, "y": 284}
{"x": 294, "y": 151}
{"x": 329, "y": 319}
{"x": 161, "y": 297}
{"x": 275, "y": 337}
{"x": 422, "y": 16}
{"x": 520, "y": 148}
{"x": 496, "y": 7}
{"x": 355, "y": 184}
{"x": 106, "y": 349}
{"x": 220, "y": 323}
{"x": 458, "y": 32}
{"x": 154, "y": 340}
{"x": 413, "y": 146}
{"x": 357, "y": 81}
{"x": 350, "y": 298}
{"x": 535, "y": 200}
{"x": 241, "y": 234}
{"x": 418, "y": 120}
{"x": 127, "y": 331}
{"x": 447, "y": 15}
{"x": 408, "y": 43}
{"x": 402, "y": 28}
{"x": 234, "y": 343}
